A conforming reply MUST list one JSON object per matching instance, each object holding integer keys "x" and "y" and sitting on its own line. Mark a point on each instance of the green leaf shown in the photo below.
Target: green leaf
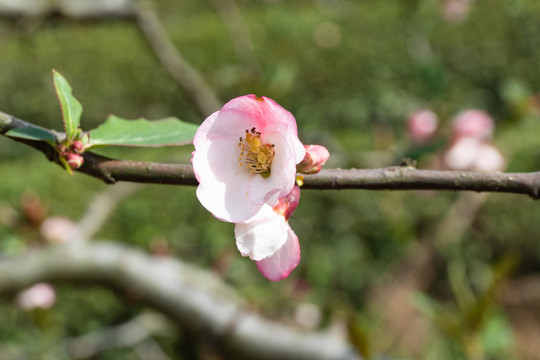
{"x": 141, "y": 132}
{"x": 71, "y": 107}
{"x": 32, "y": 134}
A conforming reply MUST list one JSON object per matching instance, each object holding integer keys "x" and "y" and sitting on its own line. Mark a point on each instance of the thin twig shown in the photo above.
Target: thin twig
{"x": 173, "y": 61}
{"x": 240, "y": 37}
{"x": 391, "y": 178}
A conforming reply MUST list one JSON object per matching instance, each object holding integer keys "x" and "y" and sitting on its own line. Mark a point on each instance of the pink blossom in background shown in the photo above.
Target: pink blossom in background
{"x": 473, "y": 123}
{"x": 471, "y": 154}
{"x": 422, "y": 125}
{"x": 456, "y": 11}
{"x": 40, "y": 295}
{"x": 316, "y": 157}
{"x": 58, "y": 229}
{"x": 471, "y": 148}
{"x": 245, "y": 157}
{"x": 268, "y": 239}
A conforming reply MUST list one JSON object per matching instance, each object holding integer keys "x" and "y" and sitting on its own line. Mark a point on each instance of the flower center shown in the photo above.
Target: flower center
{"x": 255, "y": 155}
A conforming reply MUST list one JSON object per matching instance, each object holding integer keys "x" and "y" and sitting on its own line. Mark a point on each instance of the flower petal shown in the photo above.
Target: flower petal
{"x": 263, "y": 235}
{"x": 223, "y": 123}
{"x": 216, "y": 160}
{"x": 283, "y": 262}
{"x": 228, "y": 201}
{"x": 263, "y": 110}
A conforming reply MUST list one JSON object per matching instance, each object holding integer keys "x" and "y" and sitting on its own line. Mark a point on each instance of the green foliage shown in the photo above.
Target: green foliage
{"x": 142, "y": 132}
{"x": 32, "y": 134}
{"x": 71, "y": 107}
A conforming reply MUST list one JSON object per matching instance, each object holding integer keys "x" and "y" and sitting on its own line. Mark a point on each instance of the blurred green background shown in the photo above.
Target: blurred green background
{"x": 351, "y": 72}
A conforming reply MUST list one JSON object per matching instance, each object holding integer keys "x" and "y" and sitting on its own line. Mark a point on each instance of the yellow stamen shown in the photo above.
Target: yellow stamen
{"x": 255, "y": 155}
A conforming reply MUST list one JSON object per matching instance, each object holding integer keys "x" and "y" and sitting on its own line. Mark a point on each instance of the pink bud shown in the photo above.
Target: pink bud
{"x": 421, "y": 125}
{"x": 473, "y": 123}
{"x": 286, "y": 205}
{"x": 41, "y": 295}
{"x": 74, "y": 161}
{"x": 77, "y": 146}
{"x": 316, "y": 156}
{"x": 57, "y": 229}
{"x": 456, "y": 11}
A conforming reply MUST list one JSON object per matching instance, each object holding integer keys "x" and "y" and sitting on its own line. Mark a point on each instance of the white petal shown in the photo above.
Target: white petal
{"x": 216, "y": 160}
{"x": 285, "y": 260}
{"x": 263, "y": 235}
{"x": 223, "y": 123}
{"x": 462, "y": 154}
{"x": 228, "y": 201}
{"x": 489, "y": 159}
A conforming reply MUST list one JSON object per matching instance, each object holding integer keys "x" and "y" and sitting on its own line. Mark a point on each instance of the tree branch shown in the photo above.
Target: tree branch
{"x": 196, "y": 300}
{"x": 173, "y": 61}
{"x": 391, "y": 178}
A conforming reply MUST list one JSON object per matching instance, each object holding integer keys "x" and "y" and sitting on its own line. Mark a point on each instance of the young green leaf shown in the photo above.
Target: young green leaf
{"x": 71, "y": 107}
{"x": 32, "y": 134}
{"x": 141, "y": 132}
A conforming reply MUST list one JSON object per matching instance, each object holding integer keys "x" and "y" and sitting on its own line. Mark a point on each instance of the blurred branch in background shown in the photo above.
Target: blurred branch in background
{"x": 151, "y": 27}
{"x": 96, "y": 9}
{"x": 173, "y": 61}
{"x": 101, "y": 208}
{"x": 240, "y": 37}
{"x": 416, "y": 272}
{"x": 136, "y": 333}
{"x": 195, "y": 300}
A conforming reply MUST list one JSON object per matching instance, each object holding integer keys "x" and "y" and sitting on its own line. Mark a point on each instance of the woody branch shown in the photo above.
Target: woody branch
{"x": 391, "y": 178}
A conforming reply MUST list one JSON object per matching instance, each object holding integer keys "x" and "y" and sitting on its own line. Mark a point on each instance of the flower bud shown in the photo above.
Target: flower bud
{"x": 473, "y": 123}
{"x": 421, "y": 125}
{"x": 77, "y": 146}
{"x": 74, "y": 161}
{"x": 58, "y": 229}
{"x": 456, "y": 11}
{"x": 316, "y": 156}
{"x": 40, "y": 295}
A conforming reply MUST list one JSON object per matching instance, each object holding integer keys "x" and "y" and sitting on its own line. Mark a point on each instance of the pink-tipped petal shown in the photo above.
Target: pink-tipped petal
{"x": 263, "y": 110}
{"x": 283, "y": 262}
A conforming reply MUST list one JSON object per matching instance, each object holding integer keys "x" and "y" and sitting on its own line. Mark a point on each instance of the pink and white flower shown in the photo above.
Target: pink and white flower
{"x": 245, "y": 157}
{"x": 268, "y": 239}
